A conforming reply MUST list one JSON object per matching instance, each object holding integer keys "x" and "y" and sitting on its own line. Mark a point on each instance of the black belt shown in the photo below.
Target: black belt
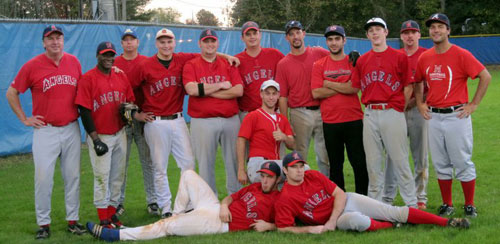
{"x": 312, "y": 107}
{"x": 447, "y": 110}
{"x": 169, "y": 117}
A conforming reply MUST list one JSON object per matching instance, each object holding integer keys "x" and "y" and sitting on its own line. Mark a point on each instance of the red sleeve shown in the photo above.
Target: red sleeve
{"x": 322, "y": 52}
{"x": 235, "y": 76}
{"x": 471, "y": 65}
{"x": 84, "y": 92}
{"x": 406, "y": 71}
{"x": 129, "y": 91}
{"x": 281, "y": 78}
{"x": 285, "y": 215}
{"x": 355, "y": 76}
{"x": 327, "y": 183}
{"x": 238, "y": 194}
{"x": 419, "y": 74}
{"x": 246, "y": 127}
{"x": 188, "y": 73}
{"x": 317, "y": 75}
{"x": 287, "y": 129}
{"x": 23, "y": 80}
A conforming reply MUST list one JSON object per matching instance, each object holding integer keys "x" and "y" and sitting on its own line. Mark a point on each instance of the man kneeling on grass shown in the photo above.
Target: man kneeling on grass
{"x": 318, "y": 203}
{"x": 249, "y": 208}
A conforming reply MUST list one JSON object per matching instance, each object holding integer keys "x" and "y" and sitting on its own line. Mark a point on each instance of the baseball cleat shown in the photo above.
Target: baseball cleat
{"x": 166, "y": 215}
{"x": 103, "y": 233}
{"x": 42, "y": 233}
{"x": 120, "y": 210}
{"x": 459, "y": 223}
{"x": 77, "y": 229}
{"x": 446, "y": 210}
{"x": 470, "y": 211}
{"x": 154, "y": 209}
{"x": 115, "y": 222}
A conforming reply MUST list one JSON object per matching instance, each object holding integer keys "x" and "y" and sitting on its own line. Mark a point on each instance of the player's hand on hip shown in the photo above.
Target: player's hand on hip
{"x": 35, "y": 121}
{"x": 243, "y": 177}
{"x": 224, "y": 214}
{"x": 279, "y": 135}
{"x": 317, "y": 229}
{"x": 225, "y": 85}
{"x": 260, "y": 225}
{"x": 144, "y": 116}
{"x": 100, "y": 147}
{"x": 466, "y": 110}
{"x": 424, "y": 111}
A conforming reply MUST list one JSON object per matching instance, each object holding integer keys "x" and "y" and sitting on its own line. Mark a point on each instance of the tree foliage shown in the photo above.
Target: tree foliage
{"x": 205, "y": 17}
{"x": 166, "y": 15}
{"x": 315, "y": 15}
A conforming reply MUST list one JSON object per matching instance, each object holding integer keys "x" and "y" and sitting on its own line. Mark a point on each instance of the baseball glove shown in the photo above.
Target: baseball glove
{"x": 353, "y": 57}
{"x": 100, "y": 147}
{"x": 127, "y": 111}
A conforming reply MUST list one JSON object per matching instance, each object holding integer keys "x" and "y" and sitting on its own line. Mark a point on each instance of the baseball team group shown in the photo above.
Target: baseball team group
{"x": 255, "y": 105}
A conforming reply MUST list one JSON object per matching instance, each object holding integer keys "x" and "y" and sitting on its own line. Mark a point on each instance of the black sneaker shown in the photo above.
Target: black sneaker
{"x": 459, "y": 223}
{"x": 154, "y": 209}
{"x": 120, "y": 210}
{"x": 166, "y": 215}
{"x": 446, "y": 210}
{"x": 470, "y": 211}
{"x": 77, "y": 229}
{"x": 42, "y": 233}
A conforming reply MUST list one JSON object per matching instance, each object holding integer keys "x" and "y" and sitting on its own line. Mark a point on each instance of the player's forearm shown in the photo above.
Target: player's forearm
{"x": 226, "y": 201}
{"x": 15, "y": 104}
{"x": 240, "y": 152}
{"x": 233, "y": 92}
{"x": 283, "y": 106}
{"x": 88, "y": 123}
{"x": 290, "y": 142}
{"x": 338, "y": 204}
{"x": 296, "y": 229}
{"x": 320, "y": 93}
{"x": 193, "y": 89}
{"x": 408, "y": 90}
{"x": 484, "y": 81}
{"x": 344, "y": 88}
{"x": 419, "y": 93}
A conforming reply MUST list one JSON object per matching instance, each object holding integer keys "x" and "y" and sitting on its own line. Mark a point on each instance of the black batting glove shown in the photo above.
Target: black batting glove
{"x": 353, "y": 57}
{"x": 100, "y": 147}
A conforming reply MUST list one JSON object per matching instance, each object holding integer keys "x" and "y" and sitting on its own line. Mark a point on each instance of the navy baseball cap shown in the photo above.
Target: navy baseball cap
{"x": 293, "y": 24}
{"x": 208, "y": 33}
{"x": 410, "y": 25}
{"x": 293, "y": 158}
{"x": 51, "y": 29}
{"x": 438, "y": 17}
{"x": 375, "y": 21}
{"x": 335, "y": 30}
{"x": 105, "y": 47}
{"x": 270, "y": 168}
{"x": 129, "y": 32}
{"x": 249, "y": 25}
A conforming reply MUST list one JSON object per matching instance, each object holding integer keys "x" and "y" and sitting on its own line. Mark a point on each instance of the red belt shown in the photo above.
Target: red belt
{"x": 379, "y": 106}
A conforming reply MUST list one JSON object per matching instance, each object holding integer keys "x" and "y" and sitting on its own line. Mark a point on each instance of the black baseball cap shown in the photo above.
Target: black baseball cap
{"x": 410, "y": 25}
{"x": 438, "y": 17}
{"x": 375, "y": 21}
{"x": 249, "y": 25}
{"x": 293, "y": 158}
{"x": 335, "y": 30}
{"x": 270, "y": 168}
{"x": 293, "y": 24}
{"x": 129, "y": 32}
{"x": 208, "y": 33}
{"x": 51, "y": 29}
{"x": 105, "y": 47}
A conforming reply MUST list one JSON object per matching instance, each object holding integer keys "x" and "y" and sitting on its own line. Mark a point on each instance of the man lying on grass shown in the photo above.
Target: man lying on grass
{"x": 249, "y": 208}
{"x": 318, "y": 203}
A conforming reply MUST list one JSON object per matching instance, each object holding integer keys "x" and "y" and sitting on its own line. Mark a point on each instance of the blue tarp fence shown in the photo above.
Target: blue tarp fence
{"x": 22, "y": 40}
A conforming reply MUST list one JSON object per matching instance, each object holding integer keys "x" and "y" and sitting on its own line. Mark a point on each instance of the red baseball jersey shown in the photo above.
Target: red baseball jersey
{"x": 131, "y": 69}
{"x": 338, "y": 108}
{"x": 446, "y": 75}
{"x": 382, "y": 76}
{"x": 254, "y": 71}
{"x": 53, "y": 87}
{"x": 162, "y": 88}
{"x": 102, "y": 94}
{"x": 311, "y": 202}
{"x": 294, "y": 76}
{"x": 250, "y": 204}
{"x": 258, "y": 127}
{"x": 200, "y": 71}
{"x": 412, "y": 62}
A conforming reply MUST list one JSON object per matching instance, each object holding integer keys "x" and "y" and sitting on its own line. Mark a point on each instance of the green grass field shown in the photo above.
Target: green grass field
{"x": 18, "y": 223}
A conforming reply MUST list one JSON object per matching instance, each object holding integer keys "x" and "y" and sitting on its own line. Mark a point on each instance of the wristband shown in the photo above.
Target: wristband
{"x": 201, "y": 89}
